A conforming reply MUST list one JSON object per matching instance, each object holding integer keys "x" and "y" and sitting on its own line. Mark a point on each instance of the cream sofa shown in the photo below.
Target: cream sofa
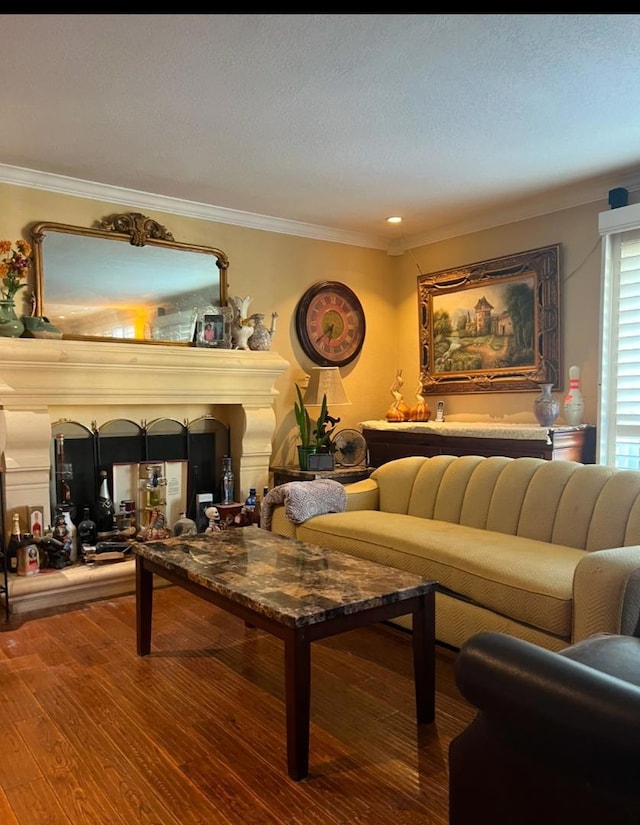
{"x": 548, "y": 551}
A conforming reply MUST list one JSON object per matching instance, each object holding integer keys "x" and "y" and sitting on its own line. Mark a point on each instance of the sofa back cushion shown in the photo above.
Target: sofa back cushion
{"x": 590, "y": 507}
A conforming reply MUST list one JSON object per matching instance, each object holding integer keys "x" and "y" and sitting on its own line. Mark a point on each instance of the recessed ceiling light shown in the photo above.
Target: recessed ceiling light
{"x": 394, "y": 219}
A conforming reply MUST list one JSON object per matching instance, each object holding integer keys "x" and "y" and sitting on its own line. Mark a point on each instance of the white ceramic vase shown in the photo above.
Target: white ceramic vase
{"x": 545, "y": 406}
{"x": 240, "y": 334}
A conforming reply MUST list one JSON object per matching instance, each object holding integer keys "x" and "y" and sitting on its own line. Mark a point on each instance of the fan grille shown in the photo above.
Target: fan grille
{"x": 350, "y": 448}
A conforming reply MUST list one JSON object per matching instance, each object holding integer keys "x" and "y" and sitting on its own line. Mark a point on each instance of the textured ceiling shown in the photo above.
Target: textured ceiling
{"x": 337, "y": 120}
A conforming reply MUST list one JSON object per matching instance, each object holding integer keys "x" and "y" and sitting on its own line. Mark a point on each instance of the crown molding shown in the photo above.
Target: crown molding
{"x": 563, "y": 197}
{"x": 47, "y": 181}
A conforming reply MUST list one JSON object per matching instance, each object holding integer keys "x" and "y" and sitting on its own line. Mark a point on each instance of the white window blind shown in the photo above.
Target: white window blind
{"x": 619, "y": 403}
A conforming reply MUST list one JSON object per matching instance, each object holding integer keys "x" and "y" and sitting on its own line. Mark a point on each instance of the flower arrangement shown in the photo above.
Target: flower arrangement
{"x": 15, "y": 261}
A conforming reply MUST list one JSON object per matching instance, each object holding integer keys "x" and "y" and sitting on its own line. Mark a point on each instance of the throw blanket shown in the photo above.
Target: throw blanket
{"x": 304, "y": 499}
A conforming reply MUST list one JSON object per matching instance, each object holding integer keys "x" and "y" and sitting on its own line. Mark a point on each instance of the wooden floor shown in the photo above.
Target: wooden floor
{"x": 195, "y": 733}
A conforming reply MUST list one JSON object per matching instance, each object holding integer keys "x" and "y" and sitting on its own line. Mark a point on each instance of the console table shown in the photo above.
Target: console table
{"x": 386, "y": 440}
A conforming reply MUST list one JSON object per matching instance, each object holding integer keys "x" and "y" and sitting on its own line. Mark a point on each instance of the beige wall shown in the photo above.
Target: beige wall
{"x": 576, "y": 230}
{"x": 276, "y": 269}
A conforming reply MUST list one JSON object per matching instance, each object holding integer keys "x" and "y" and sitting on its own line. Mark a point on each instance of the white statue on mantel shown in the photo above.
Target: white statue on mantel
{"x": 242, "y": 326}
{"x": 240, "y": 308}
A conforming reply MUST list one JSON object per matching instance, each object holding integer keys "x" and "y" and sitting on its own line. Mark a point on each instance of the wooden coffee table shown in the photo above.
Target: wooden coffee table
{"x": 298, "y": 592}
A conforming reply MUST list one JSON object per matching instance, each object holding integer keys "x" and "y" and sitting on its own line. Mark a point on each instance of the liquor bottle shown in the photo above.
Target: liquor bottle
{"x": 105, "y": 510}
{"x": 156, "y": 486}
{"x": 64, "y": 474}
{"x": 72, "y": 532}
{"x": 36, "y": 526}
{"x": 251, "y": 504}
{"x": 28, "y": 556}
{"x": 227, "y": 481}
{"x": 87, "y": 532}
{"x": 573, "y": 402}
{"x": 15, "y": 542}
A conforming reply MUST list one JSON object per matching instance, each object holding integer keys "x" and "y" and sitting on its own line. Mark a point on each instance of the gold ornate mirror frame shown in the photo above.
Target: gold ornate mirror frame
{"x": 124, "y": 279}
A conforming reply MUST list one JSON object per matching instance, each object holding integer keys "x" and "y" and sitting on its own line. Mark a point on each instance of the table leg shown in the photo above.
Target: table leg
{"x": 144, "y": 607}
{"x": 297, "y": 651}
{"x": 424, "y": 662}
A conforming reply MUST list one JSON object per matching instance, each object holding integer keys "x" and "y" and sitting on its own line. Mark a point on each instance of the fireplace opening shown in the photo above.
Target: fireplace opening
{"x": 193, "y": 450}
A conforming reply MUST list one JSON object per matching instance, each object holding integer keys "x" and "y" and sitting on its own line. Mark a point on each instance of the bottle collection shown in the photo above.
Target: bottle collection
{"x": 102, "y": 529}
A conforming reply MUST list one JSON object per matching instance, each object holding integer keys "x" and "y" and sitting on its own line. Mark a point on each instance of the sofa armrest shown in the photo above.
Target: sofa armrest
{"x": 363, "y": 495}
{"x": 606, "y": 593}
{"x": 553, "y": 705}
{"x": 280, "y": 524}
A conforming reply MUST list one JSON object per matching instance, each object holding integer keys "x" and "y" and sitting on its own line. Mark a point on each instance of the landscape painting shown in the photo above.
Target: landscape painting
{"x": 492, "y": 325}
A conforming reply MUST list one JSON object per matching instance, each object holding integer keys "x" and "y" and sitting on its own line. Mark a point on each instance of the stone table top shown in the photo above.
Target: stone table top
{"x": 293, "y": 582}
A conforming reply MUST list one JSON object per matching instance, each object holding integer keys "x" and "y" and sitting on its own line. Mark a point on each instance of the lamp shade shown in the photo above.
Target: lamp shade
{"x": 325, "y": 381}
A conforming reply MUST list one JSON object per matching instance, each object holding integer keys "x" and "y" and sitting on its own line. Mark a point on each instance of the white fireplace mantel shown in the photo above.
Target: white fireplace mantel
{"x": 48, "y": 380}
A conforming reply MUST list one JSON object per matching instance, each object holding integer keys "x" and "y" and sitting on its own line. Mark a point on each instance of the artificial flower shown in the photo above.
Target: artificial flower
{"x": 14, "y": 264}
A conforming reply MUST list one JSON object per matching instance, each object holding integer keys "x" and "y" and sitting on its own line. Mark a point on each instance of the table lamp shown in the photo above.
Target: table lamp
{"x": 325, "y": 381}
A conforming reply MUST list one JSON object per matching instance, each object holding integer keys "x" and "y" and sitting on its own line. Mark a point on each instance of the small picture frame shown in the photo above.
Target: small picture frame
{"x": 213, "y": 327}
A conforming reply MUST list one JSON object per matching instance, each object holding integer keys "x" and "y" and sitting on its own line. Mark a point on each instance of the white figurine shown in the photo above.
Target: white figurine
{"x": 213, "y": 514}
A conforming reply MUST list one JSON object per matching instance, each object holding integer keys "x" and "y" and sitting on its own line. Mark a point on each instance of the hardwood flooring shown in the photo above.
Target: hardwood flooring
{"x": 195, "y": 733}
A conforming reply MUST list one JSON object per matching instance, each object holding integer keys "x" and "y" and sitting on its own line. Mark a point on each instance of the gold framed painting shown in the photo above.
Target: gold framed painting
{"x": 492, "y": 325}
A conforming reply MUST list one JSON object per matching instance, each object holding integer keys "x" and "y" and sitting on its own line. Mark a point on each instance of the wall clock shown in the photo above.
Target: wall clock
{"x": 330, "y": 324}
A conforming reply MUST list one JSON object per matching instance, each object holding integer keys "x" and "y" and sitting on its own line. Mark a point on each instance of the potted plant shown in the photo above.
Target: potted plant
{"x": 315, "y": 436}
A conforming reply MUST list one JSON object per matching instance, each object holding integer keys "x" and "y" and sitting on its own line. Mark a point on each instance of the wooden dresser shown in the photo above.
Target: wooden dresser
{"x": 386, "y": 441}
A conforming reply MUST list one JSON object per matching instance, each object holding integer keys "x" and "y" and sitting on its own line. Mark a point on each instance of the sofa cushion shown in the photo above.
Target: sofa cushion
{"x": 528, "y": 580}
{"x": 590, "y": 507}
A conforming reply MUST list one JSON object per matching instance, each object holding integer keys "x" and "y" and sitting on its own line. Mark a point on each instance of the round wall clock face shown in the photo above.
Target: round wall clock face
{"x": 330, "y": 324}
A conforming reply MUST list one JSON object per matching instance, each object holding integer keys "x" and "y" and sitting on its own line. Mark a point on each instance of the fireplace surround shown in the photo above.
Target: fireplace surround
{"x": 47, "y": 380}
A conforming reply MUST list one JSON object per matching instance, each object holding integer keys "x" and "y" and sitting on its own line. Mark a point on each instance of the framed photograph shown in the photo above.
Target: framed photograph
{"x": 213, "y": 327}
{"x": 492, "y": 326}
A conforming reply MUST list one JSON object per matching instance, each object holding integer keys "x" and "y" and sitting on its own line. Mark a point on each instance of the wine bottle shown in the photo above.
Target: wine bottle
{"x": 15, "y": 542}
{"x": 227, "y": 481}
{"x": 105, "y": 510}
{"x": 64, "y": 474}
{"x": 87, "y": 532}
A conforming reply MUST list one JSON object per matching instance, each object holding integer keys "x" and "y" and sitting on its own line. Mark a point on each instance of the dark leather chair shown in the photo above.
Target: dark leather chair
{"x": 556, "y": 738}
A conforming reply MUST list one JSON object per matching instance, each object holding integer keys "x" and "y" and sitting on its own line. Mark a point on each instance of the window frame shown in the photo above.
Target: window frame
{"x": 614, "y": 227}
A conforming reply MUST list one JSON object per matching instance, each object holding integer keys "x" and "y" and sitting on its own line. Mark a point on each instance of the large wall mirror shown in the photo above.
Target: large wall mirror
{"x": 125, "y": 278}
